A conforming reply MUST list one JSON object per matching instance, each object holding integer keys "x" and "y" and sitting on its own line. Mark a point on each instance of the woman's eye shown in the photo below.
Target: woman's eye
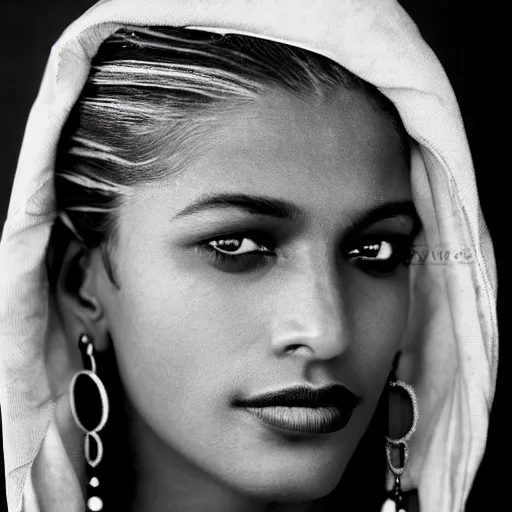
{"x": 382, "y": 257}
{"x": 380, "y": 251}
{"x": 237, "y": 253}
{"x": 237, "y": 246}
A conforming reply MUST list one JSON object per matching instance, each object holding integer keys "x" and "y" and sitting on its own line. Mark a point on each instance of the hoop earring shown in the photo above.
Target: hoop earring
{"x": 94, "y": 502}
{"x": 395, "y": 501}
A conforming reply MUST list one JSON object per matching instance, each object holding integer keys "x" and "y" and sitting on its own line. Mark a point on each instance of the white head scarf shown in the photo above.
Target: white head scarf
{"x": 450, "y": 353}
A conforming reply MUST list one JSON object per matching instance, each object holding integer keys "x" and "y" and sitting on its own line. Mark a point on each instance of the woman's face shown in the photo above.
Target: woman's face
{"x": 272, "y": 261}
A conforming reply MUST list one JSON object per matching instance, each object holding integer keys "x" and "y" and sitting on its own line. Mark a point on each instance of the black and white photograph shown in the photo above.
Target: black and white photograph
{"x": 250, "y": 256}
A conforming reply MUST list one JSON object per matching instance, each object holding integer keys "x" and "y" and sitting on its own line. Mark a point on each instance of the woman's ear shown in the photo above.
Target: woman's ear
{"x": 77, "y": 296}
{"x": 75, "y": 272}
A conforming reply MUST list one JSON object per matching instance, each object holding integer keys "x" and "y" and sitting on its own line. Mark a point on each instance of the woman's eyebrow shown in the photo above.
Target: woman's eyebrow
{"x": 260, "y": 205}
{"x": 279, "y": 208}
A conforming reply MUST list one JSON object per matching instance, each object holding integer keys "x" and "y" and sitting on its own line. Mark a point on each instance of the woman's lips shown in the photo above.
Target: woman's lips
{"x": 303, "y": 409}
{"x": 306, "y": 420}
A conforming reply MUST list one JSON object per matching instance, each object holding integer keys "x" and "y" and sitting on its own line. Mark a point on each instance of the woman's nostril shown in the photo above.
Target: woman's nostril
{"x": 298, "y": 349}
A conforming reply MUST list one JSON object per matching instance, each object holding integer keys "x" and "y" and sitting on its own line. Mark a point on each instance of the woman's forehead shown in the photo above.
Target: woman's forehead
{"x": 342, "y": 151}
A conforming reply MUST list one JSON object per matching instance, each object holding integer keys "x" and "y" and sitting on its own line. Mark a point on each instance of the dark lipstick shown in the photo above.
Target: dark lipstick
{"x": 304, "y": 409}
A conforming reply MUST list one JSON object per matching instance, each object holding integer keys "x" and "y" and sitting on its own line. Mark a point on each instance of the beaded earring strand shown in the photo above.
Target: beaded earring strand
{"x": 94, "y": 502}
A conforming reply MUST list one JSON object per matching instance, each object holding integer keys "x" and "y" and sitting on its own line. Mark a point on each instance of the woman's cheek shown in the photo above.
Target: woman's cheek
{"x": 379, "y": 309}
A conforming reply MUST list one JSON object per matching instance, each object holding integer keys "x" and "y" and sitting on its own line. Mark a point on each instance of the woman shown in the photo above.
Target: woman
{"x": 219, "y": 218}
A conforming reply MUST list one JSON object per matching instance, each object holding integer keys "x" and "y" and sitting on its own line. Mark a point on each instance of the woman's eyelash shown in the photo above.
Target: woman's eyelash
{"x": 237, "y": 246}
{"x": 238, "y": 252}
{"x": 381, "y": 254}
{"x": 375, "y": 251}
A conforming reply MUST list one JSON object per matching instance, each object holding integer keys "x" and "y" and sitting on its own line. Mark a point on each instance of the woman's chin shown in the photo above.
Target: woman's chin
{"x": 296, "y": 485}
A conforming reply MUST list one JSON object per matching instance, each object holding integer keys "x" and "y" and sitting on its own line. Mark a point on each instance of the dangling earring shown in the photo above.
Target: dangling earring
{"x": 94, "y": 502}
{"x": 395, "y": 502}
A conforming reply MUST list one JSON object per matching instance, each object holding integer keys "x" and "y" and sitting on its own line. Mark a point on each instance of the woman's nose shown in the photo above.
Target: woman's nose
{"x": 309, "y": 318}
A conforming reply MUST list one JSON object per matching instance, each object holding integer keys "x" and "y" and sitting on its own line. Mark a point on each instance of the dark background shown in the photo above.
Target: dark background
{"x": 470, "y": 42}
